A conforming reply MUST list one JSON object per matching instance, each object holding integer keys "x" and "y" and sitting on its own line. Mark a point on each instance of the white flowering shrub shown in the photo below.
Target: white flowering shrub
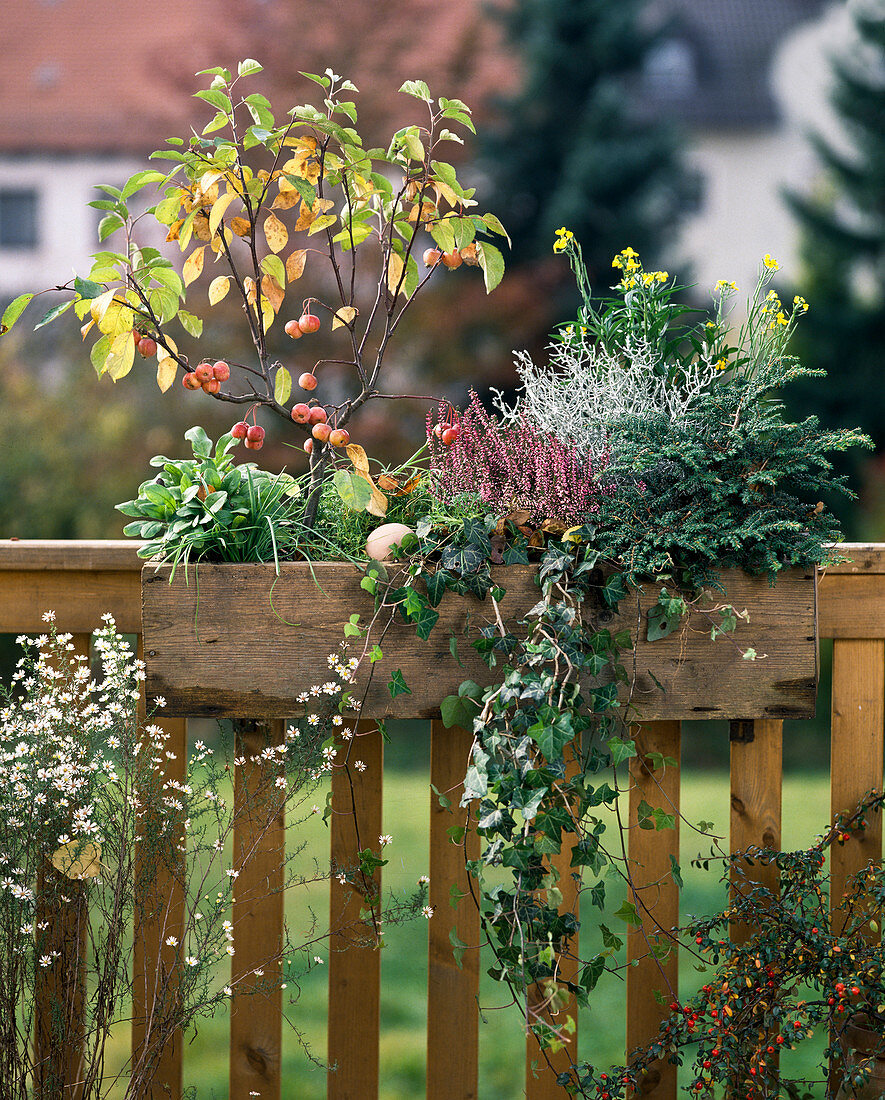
{"x": 84, "y": 787}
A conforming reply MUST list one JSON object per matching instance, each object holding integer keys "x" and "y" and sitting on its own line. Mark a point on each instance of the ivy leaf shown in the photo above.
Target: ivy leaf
{"x": 592, "y": 972}
{"x": 397, "y": 685}
{"x": 627, "y": 913}
{"x": 621, "y": 750}
{"x": 676, "y": 871}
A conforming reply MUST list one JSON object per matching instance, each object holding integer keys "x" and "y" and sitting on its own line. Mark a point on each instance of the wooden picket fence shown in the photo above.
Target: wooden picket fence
{"x": 81, "y": 580}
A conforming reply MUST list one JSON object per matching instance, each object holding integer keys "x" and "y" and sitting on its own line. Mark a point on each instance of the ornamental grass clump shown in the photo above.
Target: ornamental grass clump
{"x": 511, "y": 466}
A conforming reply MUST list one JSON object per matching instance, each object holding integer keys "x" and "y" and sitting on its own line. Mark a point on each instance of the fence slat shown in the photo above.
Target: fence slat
{"x": 656, "y": 897}
{"x": 856, "y": 750}
{"x": 756, "y": 788}
{"x": 256, "y": 1019}
{"x": 452, "y": 1007}
{"x": 354, "y": 958}
{"x": 60, "y": 988}
{"x": 542, "y": 1067}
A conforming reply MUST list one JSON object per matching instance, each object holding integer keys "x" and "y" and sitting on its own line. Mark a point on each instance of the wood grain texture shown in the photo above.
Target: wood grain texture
{"x": 354, "y": 956}
{"x": 542, "y": 1068}
{"x": 60, "y": 989}
{"x": 756, "y": 788}
{"x": 656, "y": 897}
{"x": 452, "y": 990}
{"x": 256, "y": 1018}
{"x": 79, "y": 598}
{"x": 856, "y": 751}
{"x": 852, "y": 606}
{"x": 861, "y": 557}
{"x": 95, "y": 555}
{"x": 159, "y": 913}
{"x": 203, "y": 667}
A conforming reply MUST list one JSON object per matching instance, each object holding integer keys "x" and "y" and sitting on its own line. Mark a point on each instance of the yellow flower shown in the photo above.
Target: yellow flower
{"x": 799, "y": 304}
{"x": 632, "y": 265}
{"x": 629, "y": 282}
{"x": 770, "y": 262}
{"x": 629, "y": 253}
{"x": 782, "y": 318}
{"x": 563, "y": 232}
{"x": 662, "y": 276}
{"x": 616, "y": 262}
{"x": 772, "y": 296}
{"x": 724, "y": 285}
{"x": 721, "y": 364}
{"x": 560, "y": 245}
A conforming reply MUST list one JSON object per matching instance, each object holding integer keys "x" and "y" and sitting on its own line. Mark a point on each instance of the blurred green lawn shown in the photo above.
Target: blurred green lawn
{"x": 404, "y": 974}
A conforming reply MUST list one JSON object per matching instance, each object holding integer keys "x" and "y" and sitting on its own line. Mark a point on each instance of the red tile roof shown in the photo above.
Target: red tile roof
{"x": 117, "y": 75}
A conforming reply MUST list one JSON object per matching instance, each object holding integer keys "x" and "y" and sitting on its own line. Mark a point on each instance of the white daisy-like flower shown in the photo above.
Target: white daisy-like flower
{"x": 385, "y": 839}
{"x": 424, "y": 880}
{"x": 48, "y": 616}
{"x": 227, "y": 991}
{"x": 46, "y": 960}
{"x": 171, "y": 941}
{"x": 191, "y": 961}
{"x": 231, "y": 873}
{"x": 360, "y": 765}
{"x": 427, "y": 911}
{"x": 318, "y": 960}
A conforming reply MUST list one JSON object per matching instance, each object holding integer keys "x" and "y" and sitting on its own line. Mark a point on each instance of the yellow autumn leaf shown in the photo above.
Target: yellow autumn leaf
{"x": 201, "y": 228}
{"x": 85, "y": 328}
{"x": 209, "y": 179}
{"x": 241, "y": 226}
{"x": 174, "y": 228}
{"x": 121, "y": 356}
{"x": 275, "y": 233}
{"x": 78, "y": 859}
{"x": 285, "y": 200}
{"x": 218, "y": 288}
{"x": 193, "y": 265}
{"x": 295, "y": 264}
{"x": 218, "y": 211}
{"x": 117, "y": 318}
{"x": 166, "y": 371}
{"x": 344, "y": 316}
{"x": 395, "y": 268}
{"x": 272, "y": 291}
{"x": 377, "y": 506}
{"x": 249, "y": 287}
{"x": 268, "y": 316}
{"x": 99, "y": 306}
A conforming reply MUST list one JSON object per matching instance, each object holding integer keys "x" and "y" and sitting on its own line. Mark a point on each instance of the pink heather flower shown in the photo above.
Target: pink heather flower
{"x": 513, "y": 466}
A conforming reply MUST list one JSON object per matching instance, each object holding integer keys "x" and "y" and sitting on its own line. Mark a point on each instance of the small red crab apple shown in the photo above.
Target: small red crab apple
{"x": 432, "y": 257}
{"x": 450, "y": 435}
{"x": 308, "y": 381}
{"x": 308, "y": 322}
{"x": 190, "y": 381}
{"x": 440, "y": 428}
{"x": 255, "y": 437}
{"x": 321, "y": 432}
{"x": 240, "y": 430}
{"x": 220, "y": 371}
{"x": 293, "y": 329}
{"x": 308, "y": 446}
{"x": 339, "y": 437}
{"x": 452, "y": 259}
{"x": 147, "y": 347}
{"x": 301, "y": 413}
{"x": 317, "y": 415}
{"x": 203, "y": 371}
{"x": 212, "y": 386}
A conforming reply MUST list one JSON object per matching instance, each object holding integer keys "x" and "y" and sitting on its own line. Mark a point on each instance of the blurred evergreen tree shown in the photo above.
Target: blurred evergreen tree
{"x": 843, "y": 254}
{"x": 579, "y": 144}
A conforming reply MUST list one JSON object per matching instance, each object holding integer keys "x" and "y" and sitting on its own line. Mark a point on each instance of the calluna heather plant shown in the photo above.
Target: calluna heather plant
{"x": 512, "y": 466}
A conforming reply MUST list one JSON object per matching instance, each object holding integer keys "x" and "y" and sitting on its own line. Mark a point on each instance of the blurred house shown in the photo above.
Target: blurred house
{"x": 748, "y": 80}
{"x": 89, "y": 87}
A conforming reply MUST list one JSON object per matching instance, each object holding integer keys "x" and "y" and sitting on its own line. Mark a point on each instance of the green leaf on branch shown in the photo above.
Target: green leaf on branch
{"x": 247, "y": 68}
{"x": 627, "y": 913}
{"x": 416, "y": 88}
{"x": 665, "y": 616}
{"x": 460, "y": 710}
{"x": 354, "y": 490}
{"x": 51, "y": 314}
{"x": 190, "y": 323}
{"x": 282, "y": 388}
{"x": 13, "y": 311}
{"x": 492, "y": 263}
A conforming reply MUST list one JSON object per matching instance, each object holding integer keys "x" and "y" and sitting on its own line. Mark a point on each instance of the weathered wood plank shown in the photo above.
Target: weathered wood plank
{"x": 856, "y": 751}
{"x": 862, "y": 557}
{"x": 159, "y": 914}
{"x": 354, "y": 957}
{"x": 79, "y": 598}
{"x": 61, "y": 988}
{"x": 202, "y": 666}
{"x": 96, "y": 555}
{"x": 256, "y": 1018}
{"x": 756, "y": 796}
{"x": 852, "y": 606}
{"x": 452, "y": 1007}
{"x": 656, "y": 897}
{"x": 542, "y": 1068}
{"x": 756, "y": 786}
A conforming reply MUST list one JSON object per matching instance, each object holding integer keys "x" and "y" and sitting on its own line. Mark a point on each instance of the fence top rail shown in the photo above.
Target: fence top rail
{"x": 121, "y": 554}
{"x": 59, "y": 555}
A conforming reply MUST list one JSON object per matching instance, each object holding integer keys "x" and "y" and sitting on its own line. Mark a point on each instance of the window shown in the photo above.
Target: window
{"x": 18, "y": 217}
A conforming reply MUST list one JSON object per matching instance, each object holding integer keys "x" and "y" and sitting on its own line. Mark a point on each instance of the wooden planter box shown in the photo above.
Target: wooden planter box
{"x": 238, "y": 641}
